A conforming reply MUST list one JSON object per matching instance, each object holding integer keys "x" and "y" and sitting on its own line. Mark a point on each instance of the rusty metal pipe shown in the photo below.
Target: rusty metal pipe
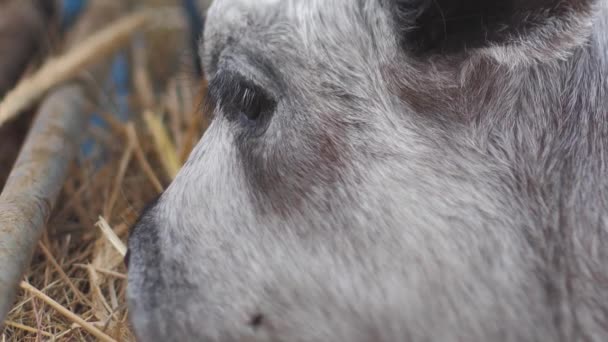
{"x": 24, "y": 36}
{"x": 41, "y": 169}
{"x": 36, "y": 181}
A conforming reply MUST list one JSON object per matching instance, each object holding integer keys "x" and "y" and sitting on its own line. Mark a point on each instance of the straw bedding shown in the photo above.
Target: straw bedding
{"x": 76, "y": 283}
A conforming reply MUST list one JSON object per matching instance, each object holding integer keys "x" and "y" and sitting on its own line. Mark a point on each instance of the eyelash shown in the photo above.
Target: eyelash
{"x": 249, "y": 104}
{"x": 240, "y": 98}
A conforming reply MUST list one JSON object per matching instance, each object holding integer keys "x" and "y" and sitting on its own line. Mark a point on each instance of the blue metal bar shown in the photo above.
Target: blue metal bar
{"x": 70, "y": 11}
{"x": 197, "y": 23}
{"x": 121, "y": 72}
{"x": 120, "y": 84}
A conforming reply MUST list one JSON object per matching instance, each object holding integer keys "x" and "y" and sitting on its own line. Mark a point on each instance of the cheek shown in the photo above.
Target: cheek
{"x": 283, "y": 173}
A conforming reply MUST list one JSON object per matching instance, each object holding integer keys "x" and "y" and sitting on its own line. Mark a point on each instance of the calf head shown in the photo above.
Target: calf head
{"x": 388, "y": 170}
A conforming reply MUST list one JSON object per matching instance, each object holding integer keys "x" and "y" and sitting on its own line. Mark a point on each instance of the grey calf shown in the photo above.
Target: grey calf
{"x": 388, "y": 170}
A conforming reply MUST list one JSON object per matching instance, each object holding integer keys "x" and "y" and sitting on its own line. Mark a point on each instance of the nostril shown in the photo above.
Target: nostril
{"x": 256, "y": 321}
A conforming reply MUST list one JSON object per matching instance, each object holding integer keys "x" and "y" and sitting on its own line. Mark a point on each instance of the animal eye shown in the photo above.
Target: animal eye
{"x": 240, "y": 98}
{"x": 252, "y": 104}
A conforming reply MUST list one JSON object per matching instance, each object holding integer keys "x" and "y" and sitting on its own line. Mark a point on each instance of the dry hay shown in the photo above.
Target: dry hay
{"x": 79, "y": 264}
{"x": 75, "y": 288}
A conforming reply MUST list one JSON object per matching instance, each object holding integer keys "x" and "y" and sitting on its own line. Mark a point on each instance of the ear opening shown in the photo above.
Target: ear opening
{"x": 509, "y": 30}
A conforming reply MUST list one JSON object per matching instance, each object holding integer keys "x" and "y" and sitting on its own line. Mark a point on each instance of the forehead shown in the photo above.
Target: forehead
{"x": 236, "y": 10}
{"x": 291, "y": 28}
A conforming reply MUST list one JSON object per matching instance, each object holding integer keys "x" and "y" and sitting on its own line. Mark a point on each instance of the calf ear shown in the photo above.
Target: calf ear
{"x": 505, "y": 28}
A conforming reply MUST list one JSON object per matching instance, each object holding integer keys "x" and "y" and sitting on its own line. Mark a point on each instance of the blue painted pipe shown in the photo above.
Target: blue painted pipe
{"x": 120, "y": 82}
{"x": 121, "y": 72}
{"x": 70, "y": 11}
{"x": 197, "y": 23}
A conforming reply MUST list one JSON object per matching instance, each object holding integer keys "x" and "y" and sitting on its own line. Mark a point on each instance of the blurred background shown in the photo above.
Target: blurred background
{"x": 144, "y": 92}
